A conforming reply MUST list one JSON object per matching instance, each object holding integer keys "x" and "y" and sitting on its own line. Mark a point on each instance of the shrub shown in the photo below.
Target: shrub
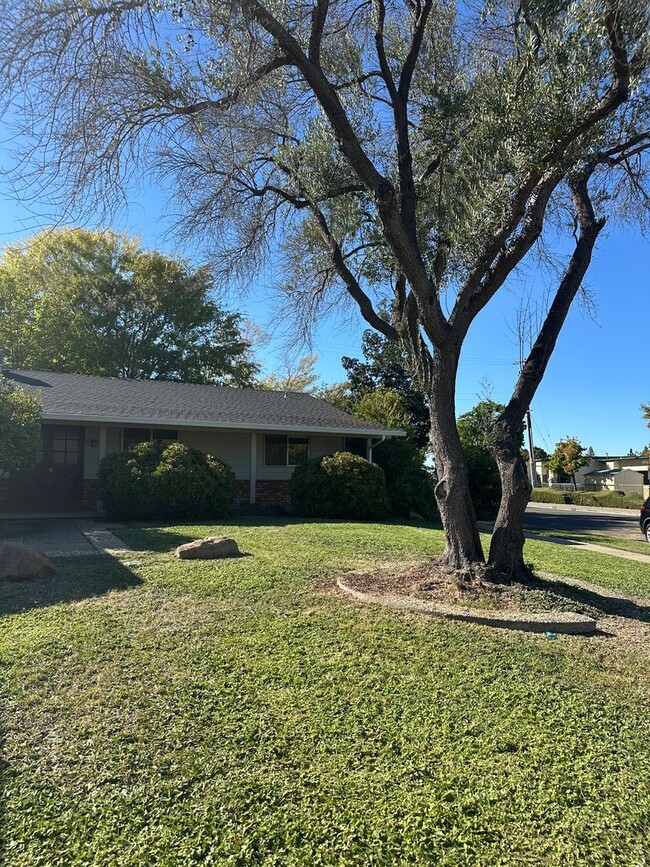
{"x": 484, "y": 480}
{"x": 151, "y": 481}
{"x": 633, "y": 500}
{"x": 586, "y": 498}
{"x": 339, "y": 486}
{"x": 548, "y": 495}
{"x": 410, "y": 485}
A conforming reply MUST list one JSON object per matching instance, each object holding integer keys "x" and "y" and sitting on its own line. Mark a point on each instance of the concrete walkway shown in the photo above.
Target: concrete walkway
{"x": 487, "y": 526}
{"x": 60, "y": 537}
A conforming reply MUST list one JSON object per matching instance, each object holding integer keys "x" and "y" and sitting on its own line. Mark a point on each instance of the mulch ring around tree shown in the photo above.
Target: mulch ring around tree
{"x": 547, "y": 603}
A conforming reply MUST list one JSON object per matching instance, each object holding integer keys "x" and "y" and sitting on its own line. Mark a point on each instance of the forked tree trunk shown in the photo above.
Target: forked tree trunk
{"x": 463, "y": 551}
{"x": 506, "y": 557}
{"x": 507, "y": 545}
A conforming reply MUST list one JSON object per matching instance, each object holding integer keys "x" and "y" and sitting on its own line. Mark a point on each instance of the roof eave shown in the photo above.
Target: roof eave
{"x": 203, "y": 423}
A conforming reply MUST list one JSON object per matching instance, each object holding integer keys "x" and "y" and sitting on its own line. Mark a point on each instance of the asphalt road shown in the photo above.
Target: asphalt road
{"x": 626, "y": 524}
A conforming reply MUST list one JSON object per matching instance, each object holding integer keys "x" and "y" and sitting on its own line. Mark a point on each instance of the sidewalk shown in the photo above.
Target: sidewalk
{"x": 587, "y": 510}
{"x": 61, "y": 537}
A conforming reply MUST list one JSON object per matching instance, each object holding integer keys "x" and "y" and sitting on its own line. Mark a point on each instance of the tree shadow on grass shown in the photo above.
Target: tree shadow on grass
{"x": 76, "y": 578}
{"x": 606, "y": 602}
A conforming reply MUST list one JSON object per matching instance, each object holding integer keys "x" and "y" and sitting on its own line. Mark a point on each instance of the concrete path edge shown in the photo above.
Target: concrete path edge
{"x": 563, "y": 623}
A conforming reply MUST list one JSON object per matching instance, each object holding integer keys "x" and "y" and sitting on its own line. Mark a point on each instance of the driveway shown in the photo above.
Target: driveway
{"x": 609, "y": 522}
{"x": 59, "y": 537}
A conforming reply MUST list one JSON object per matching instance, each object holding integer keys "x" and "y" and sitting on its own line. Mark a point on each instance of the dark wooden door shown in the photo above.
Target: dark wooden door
{"x": 56, "y": 483}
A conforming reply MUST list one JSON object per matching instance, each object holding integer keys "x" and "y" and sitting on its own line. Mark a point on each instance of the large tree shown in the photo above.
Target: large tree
{"x": 96, "y": 302}
{"x": 568, "y": 457}
{"x": 20, "y": 427}
{"x": 386, "y": 366}
{"x": 409, "y": 153}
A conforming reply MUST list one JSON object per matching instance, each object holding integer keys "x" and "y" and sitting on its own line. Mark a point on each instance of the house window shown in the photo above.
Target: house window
{"x": 131, "y": 436}
{"x": 65, "y": 447}
{"x": 357, "y": 446}
{"x": 285, "y": 451}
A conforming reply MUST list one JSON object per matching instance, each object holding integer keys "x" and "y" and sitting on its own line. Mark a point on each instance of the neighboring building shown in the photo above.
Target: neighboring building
{"x": 262, "y": 435}
{"x": 605, "y": 473}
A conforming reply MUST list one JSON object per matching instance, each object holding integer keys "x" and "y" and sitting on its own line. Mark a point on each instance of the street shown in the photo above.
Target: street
{"x": 576, "y": 520}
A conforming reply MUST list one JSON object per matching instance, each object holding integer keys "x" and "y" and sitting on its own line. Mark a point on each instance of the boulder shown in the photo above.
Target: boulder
{"x": 212, "y": 548}
{"x": 20, "y": 563}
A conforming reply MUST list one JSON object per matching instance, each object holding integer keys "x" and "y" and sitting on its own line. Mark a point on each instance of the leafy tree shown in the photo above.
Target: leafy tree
{"x": 338, "y": 394}
{"x": 410, "y": 154}
{"x": 387, "y": 367}
{"x": 645, "y": 452}
{"x": 383, "y": 407}
{"x": 645, "y": 408}
{"x": 539, "y": 453}
{"x": 477, "y": 431}
{"x": 20, "y": 427}
{"x": 95, "y": 302}
{"x": 569, "y": 456}
{"x": 292, "y": 377}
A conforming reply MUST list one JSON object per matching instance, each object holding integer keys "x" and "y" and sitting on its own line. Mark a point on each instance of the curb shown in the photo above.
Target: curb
{"x": 587, "y": 510}
{"x": 566, "y": 624}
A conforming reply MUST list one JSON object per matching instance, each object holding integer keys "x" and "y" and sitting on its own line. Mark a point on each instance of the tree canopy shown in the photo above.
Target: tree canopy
{"x": 387, "y": 366}
{"x": 98, "y": 303}
{"x": 405, "y": 156}
{"x": 20, "y": 427}
{"x": 569, "y": 456}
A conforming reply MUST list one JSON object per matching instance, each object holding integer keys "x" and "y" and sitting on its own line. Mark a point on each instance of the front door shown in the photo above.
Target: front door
{"x": 56, "y": 483}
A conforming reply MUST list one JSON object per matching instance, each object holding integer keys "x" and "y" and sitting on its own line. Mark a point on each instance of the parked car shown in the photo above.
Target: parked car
{"x": 644, "y": 519}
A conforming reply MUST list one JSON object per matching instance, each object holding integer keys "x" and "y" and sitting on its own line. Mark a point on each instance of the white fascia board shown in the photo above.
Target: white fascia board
{"x": 201, "y": 423}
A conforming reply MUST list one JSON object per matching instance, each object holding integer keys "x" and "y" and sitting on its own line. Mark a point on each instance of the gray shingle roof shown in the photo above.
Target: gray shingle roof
{"x": 78, "y": 398}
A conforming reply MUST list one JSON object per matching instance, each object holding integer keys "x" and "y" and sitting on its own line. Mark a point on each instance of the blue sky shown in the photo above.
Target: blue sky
{"x": 596, "y": 379}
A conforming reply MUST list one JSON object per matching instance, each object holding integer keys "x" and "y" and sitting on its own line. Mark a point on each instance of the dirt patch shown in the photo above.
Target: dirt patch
{"x": 545, "y": 595}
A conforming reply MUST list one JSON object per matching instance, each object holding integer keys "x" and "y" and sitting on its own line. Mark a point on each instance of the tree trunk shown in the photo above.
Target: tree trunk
{"x": 507, "y": 544}
{"x": 463, "y": 551}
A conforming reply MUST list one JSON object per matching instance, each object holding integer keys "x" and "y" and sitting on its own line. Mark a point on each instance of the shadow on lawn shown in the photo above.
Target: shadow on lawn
{"x": 165, "y": 538}
{"x": 611, "y": 605}
{"x": 76, "y": 578}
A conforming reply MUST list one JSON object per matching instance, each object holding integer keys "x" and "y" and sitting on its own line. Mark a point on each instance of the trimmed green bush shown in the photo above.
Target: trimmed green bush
{"x": 603, "y": 499}
{"x": 410, "y": 485}
{"x": 339, "y": 486}
{"x": 549, "y": 495}
{"x": 484, "y": 480}
{"x": 151, "y": 481}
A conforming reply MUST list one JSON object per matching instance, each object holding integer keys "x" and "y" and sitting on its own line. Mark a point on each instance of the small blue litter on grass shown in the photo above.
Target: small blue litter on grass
{"x": 550, "y": 635}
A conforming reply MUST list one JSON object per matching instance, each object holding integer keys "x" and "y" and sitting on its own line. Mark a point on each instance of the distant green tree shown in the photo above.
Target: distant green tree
{"x": 476, "y": 430}
{"x": 539, "y": 453}
{"x": 569, "y": 456}
{"x": 383, "y": 407}
{"x": 96, "y": 302}
{"x": 20, "y": 427}
{"x": 293, "y": 376}
{"x": 387, "y": 367}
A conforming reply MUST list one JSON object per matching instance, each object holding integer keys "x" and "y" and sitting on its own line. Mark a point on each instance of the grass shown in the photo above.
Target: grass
{"x": 238, "y": 713}
{"x": 620, "y": 542}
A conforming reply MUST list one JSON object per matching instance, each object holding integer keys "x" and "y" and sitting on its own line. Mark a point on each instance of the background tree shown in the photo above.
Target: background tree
{"x": 477, "y": 431}
{"x": 20, "y": 428}
{"x": 95, "y": 302}
{"x": 293, "y": 376}
{"x": 412, "y": 154}
{"x": 383, "y": 407}
{"x": 387, "y": 367}
{"x": 540, "y": 454}
{"x": 569, "y": 456}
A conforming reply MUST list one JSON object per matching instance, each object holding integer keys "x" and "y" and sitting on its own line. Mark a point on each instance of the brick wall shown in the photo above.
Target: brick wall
{"x": 243, "y": 492}
{"x": 276, "y": 493}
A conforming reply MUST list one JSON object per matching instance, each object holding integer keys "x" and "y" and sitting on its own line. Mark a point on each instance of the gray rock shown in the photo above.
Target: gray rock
{"x": 212, "y": 548}
{"x": 19, "y": 563}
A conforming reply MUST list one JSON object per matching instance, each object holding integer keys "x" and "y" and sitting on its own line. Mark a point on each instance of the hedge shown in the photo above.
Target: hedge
{"x": 339, "y": 486}
{"x": 603, "y": 499}
{"x": 151, "y": 481}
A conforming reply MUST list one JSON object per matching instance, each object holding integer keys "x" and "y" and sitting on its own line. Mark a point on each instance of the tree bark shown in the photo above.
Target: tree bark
{"x": 463, "y": 552}
{"x": 507, "y": 544}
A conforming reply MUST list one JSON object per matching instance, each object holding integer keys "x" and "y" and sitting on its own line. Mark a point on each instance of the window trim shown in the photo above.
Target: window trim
{"x": 287, "y": 437}
{"x": 151, "y": 430}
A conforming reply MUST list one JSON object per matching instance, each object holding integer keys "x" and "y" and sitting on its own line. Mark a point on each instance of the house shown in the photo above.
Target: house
{"x": 607, "y": 473}
{"x": 261, "y": 435}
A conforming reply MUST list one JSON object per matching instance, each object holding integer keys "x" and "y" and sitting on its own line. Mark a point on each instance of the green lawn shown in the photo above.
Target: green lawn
{"x": 242, "y": 713}
{"x": 621, "y": 542}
